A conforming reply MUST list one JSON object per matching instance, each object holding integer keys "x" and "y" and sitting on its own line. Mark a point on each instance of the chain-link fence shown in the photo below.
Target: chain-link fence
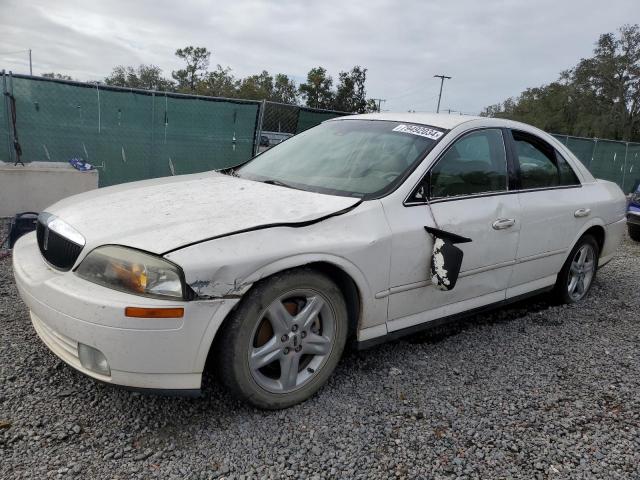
{"x": 279, "y": 121}
{"x": 611, "y": 160}
{"x": 127, "y": 134}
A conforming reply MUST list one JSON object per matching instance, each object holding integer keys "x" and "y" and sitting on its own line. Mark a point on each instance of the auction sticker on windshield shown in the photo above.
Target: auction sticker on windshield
{"x": 431, "y": 133}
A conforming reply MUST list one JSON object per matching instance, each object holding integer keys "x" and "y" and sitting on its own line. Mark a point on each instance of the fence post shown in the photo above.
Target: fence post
{"x": 99, "y": 113}
{"x": 624, "y": 165}
{"x": 8, "y": 114}
{"x": 15, "y": 145}
{"x": 151, "y": 159}
{"x": 256, "y": 146}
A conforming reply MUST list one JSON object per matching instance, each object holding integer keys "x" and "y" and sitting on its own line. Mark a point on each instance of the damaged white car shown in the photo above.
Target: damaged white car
{"x": 366, "y": 227}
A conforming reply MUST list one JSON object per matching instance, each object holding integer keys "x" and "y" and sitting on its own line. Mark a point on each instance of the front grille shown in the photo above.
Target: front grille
{"x": 56, "y": 249}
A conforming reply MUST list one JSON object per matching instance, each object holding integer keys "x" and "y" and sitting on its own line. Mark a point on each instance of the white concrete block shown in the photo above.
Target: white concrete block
{"x": 37, "y": 185}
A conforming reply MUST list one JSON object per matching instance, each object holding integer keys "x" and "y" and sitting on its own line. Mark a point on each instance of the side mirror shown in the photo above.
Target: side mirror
{"x": 446, "y": 258}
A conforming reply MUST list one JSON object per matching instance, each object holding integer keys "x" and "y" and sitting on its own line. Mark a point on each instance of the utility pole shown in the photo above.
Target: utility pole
{"x": 379, "y": 100}
{"x": 441, "y": 77}
{"x": 30, "y": 67}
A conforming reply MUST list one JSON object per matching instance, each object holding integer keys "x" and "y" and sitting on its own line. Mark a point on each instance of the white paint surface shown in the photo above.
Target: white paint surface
{"x": 166, "y": 213}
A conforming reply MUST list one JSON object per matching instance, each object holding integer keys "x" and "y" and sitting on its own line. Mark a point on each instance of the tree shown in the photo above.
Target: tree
{"x": 351, "y": 95}
{"x": 58, "y": 76}
{"x": 147, "y": 77}
{"x": 372, "y": 106}
{"x": 599, "y": 97}
{"x": 219, "y": 83}
{"x": 317, "y": 90}
{"x": 197, "y": 62}
{"x": 284, "y": 90}
{"x": 256, "y": 87}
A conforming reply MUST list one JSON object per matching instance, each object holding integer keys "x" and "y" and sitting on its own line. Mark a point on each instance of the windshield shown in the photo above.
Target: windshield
{"x": 359, "y": 158}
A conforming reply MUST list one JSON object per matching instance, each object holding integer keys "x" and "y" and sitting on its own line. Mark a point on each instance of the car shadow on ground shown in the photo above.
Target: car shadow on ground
{"x": 430, "y": 335}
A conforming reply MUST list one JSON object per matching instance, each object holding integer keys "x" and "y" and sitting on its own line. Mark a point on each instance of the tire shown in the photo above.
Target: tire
{"x": 580, "y": 274}
{"x": 284, "y": 340}
{"x": 634, "y": 232}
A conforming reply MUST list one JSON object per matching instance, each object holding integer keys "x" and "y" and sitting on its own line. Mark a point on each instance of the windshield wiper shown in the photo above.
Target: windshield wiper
{"x": 279, "y": 183}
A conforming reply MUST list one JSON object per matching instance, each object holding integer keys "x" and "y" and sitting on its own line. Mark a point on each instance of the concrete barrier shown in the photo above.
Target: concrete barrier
{"x": 35, "y": 186}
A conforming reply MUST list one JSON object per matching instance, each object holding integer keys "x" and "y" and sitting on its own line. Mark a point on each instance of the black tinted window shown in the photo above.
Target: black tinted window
{"x": 474, "y": 164}
{"x": 567, "y": 175}
{"x": 541, "y": 166}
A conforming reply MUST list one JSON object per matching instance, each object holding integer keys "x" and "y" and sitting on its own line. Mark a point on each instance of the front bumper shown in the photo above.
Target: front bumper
{"x": 166, "y": 354}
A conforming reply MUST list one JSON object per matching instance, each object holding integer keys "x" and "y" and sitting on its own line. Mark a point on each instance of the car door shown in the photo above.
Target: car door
{"x": 468, "y": 195}
{"x": 552, "y": 212}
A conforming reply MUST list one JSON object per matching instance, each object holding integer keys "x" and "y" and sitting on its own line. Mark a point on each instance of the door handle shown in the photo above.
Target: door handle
{"x": 502, "y": 223}
{"x": 582, "y": 212}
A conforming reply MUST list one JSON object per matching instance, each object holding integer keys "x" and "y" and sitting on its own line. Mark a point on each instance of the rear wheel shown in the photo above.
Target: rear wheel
{"x": 634, "y": 232}
{"x": 284, "y": 340}
{"x": 577, "y": 274}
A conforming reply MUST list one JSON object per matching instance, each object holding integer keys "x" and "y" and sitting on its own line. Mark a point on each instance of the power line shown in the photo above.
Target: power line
{"x": 441, "y": 77}
{"x": 411, "y": 91}
{"x": 424, "y": 101}
{"x": 18, "y": 51}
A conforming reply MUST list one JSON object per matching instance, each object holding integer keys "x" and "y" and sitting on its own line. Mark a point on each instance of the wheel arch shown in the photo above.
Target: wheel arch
{"x": 349, "y": 289}
{"x": 594, "y": 227}
{"x": 598, "y": 232}
{"x": 349, "y": 279}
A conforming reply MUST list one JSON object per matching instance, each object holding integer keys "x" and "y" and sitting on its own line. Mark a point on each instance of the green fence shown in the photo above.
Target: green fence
{"x": 128, "y": 134}
{"x": 611, "y": 160}
{"x": 308, "y": 118}
{"x": 133, "y": 134}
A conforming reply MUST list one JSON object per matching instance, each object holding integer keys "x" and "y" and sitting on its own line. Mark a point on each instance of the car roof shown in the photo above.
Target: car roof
{"x": 441, "y": 120}
{"x": 449, "y": 122}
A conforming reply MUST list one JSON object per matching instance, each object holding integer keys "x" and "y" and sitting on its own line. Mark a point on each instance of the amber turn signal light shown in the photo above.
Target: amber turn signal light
{"x": 139, "y": 312}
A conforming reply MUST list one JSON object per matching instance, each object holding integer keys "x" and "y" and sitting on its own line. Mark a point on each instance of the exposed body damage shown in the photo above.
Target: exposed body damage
{"x": 354, "y": 242}
{"x": 446, "y": 258}
{"x": 438, "y": 271}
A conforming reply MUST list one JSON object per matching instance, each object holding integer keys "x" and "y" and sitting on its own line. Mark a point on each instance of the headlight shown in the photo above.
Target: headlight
{"x": 132, "y": 271}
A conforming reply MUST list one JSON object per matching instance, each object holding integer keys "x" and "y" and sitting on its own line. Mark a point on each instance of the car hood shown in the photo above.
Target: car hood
{"x": 165, "y": 214}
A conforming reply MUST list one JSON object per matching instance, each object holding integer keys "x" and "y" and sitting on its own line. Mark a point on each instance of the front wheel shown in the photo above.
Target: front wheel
{"x": 634, "y": 232}
{"x": 579, "y": 270}
{"x": 284, "y": 340}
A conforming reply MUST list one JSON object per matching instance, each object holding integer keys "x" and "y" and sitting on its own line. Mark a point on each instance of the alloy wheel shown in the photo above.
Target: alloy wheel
{"x": 291, "y": 341}
{"x": 581, "y": 272}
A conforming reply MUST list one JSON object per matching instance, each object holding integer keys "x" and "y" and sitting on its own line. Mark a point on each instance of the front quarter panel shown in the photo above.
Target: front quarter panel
{"x": 358, "y": 242}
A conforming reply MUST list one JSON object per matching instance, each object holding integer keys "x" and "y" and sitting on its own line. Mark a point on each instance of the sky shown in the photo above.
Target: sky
{"x": 493, "y": 49}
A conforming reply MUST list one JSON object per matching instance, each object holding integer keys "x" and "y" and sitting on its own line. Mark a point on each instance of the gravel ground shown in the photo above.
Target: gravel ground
{"x": 531, "y": 391}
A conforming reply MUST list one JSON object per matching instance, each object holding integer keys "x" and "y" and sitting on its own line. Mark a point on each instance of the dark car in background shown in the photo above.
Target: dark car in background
{"x": 633, "y": 213}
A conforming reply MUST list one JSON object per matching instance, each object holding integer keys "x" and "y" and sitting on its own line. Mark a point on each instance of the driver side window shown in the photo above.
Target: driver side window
{"x": 474, "y": 164}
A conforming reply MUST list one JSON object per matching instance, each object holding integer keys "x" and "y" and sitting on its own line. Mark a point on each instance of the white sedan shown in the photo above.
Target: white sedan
{"x": 366, "y": 227}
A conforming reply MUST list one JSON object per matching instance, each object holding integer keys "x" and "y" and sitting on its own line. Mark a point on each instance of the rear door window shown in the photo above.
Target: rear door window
{"x": 541, "y": 166}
